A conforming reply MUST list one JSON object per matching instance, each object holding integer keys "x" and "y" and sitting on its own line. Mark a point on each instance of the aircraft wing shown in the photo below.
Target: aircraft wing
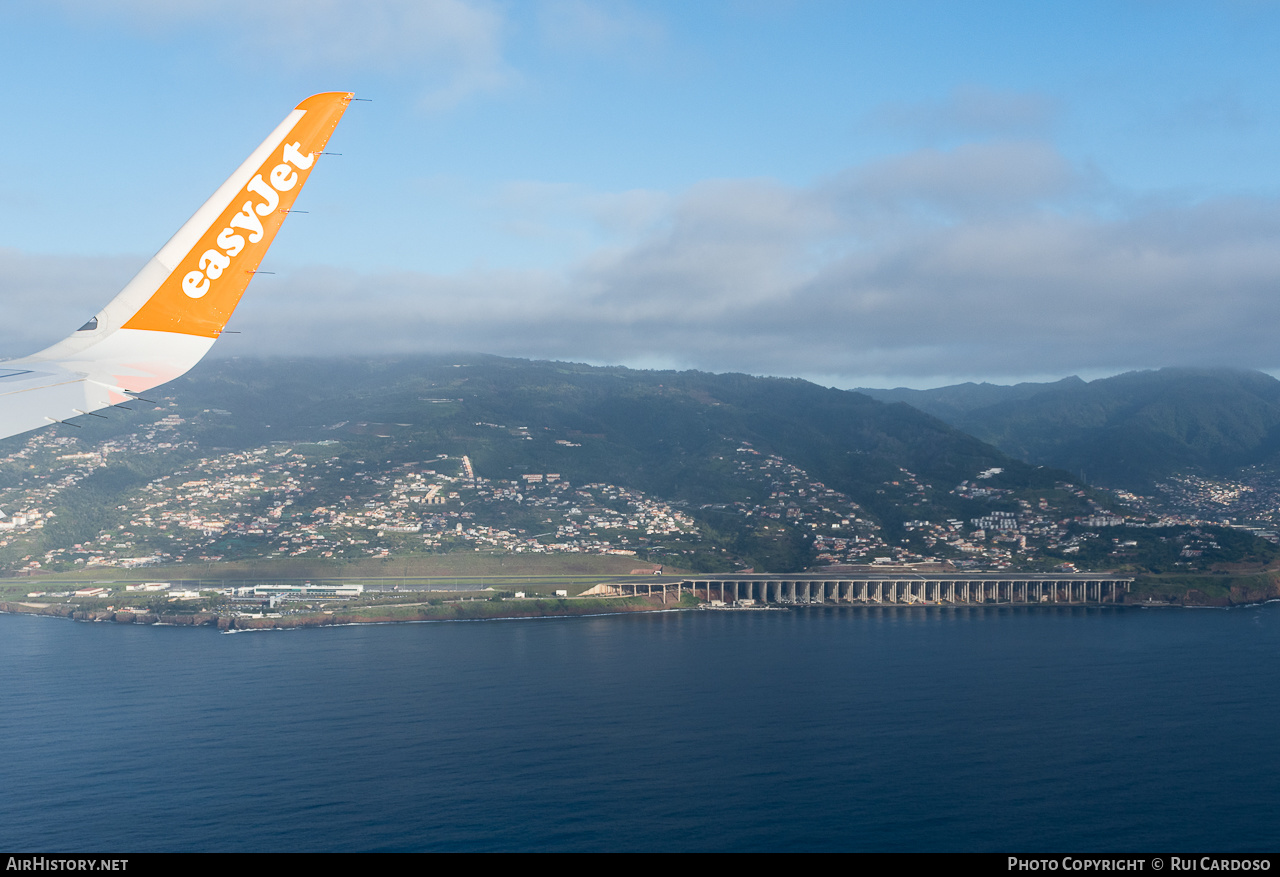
{"x": 165, "y": 320}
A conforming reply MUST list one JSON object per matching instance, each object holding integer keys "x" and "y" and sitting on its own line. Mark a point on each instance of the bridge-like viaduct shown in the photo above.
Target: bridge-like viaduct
{"x": 892, "y": 588}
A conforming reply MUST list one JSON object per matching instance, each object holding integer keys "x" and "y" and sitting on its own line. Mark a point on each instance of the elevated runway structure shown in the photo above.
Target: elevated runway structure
{"x": 888, "y": 587}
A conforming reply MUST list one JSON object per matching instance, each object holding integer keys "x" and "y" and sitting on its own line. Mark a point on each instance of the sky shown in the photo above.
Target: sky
{"x": 902, "y": 193}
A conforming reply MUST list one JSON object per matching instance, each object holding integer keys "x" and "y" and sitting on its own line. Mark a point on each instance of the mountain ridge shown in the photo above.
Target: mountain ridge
{"x": 1130, "y": 430}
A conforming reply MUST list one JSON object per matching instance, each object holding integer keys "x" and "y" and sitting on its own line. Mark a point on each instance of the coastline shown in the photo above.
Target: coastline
{"x": 230, "y": 623}
{"x": 471, "y": 611}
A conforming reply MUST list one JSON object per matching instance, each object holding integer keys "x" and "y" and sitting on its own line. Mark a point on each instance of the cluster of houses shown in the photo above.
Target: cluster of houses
{"x": 288, "y": 501}
{"x": 310, "y": 500}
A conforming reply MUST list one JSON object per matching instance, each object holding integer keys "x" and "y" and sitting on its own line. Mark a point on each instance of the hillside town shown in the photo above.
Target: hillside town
{"x": 317, "y": 500}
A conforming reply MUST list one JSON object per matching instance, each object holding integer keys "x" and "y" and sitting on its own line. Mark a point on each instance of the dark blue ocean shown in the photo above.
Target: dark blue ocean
{"x": 900, "y": 729}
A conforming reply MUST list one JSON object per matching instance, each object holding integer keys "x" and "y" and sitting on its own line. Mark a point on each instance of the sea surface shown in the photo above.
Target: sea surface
{"x": 1033, "y": 729}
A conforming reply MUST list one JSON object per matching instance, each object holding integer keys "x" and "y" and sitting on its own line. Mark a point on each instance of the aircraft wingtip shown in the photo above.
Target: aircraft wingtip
{"x": 326, "y": 98}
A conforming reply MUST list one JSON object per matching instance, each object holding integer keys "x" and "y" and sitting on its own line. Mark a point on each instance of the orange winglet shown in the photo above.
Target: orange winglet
{"x": 199, "y": 295}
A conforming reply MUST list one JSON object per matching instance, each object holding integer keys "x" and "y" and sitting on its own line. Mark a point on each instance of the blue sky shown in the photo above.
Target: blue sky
{"x": 859, "y": 193}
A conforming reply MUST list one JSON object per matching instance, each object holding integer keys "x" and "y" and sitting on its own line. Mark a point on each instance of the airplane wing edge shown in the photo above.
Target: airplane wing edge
{"x": 167, "y": 317}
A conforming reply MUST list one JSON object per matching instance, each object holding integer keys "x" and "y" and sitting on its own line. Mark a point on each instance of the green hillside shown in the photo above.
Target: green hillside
{"x": 697, "y": 470}
{"x": 1128, "y": 431}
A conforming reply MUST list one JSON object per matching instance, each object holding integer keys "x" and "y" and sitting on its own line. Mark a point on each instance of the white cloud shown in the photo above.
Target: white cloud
{"x": 453, "y": 47}
{"x": 598, "y": 26}
{"x": 833, "y": 279}
{"x": 967, "y": 179}
{"x": 972, "y": 110}
{"x": 48, "y": 297}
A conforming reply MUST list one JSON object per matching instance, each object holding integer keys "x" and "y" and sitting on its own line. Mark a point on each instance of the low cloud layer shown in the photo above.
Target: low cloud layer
{"x": 993, "y": 260}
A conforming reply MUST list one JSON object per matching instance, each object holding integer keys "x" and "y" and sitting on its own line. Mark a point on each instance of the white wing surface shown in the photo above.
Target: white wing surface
{"x": 165, "y": 320}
